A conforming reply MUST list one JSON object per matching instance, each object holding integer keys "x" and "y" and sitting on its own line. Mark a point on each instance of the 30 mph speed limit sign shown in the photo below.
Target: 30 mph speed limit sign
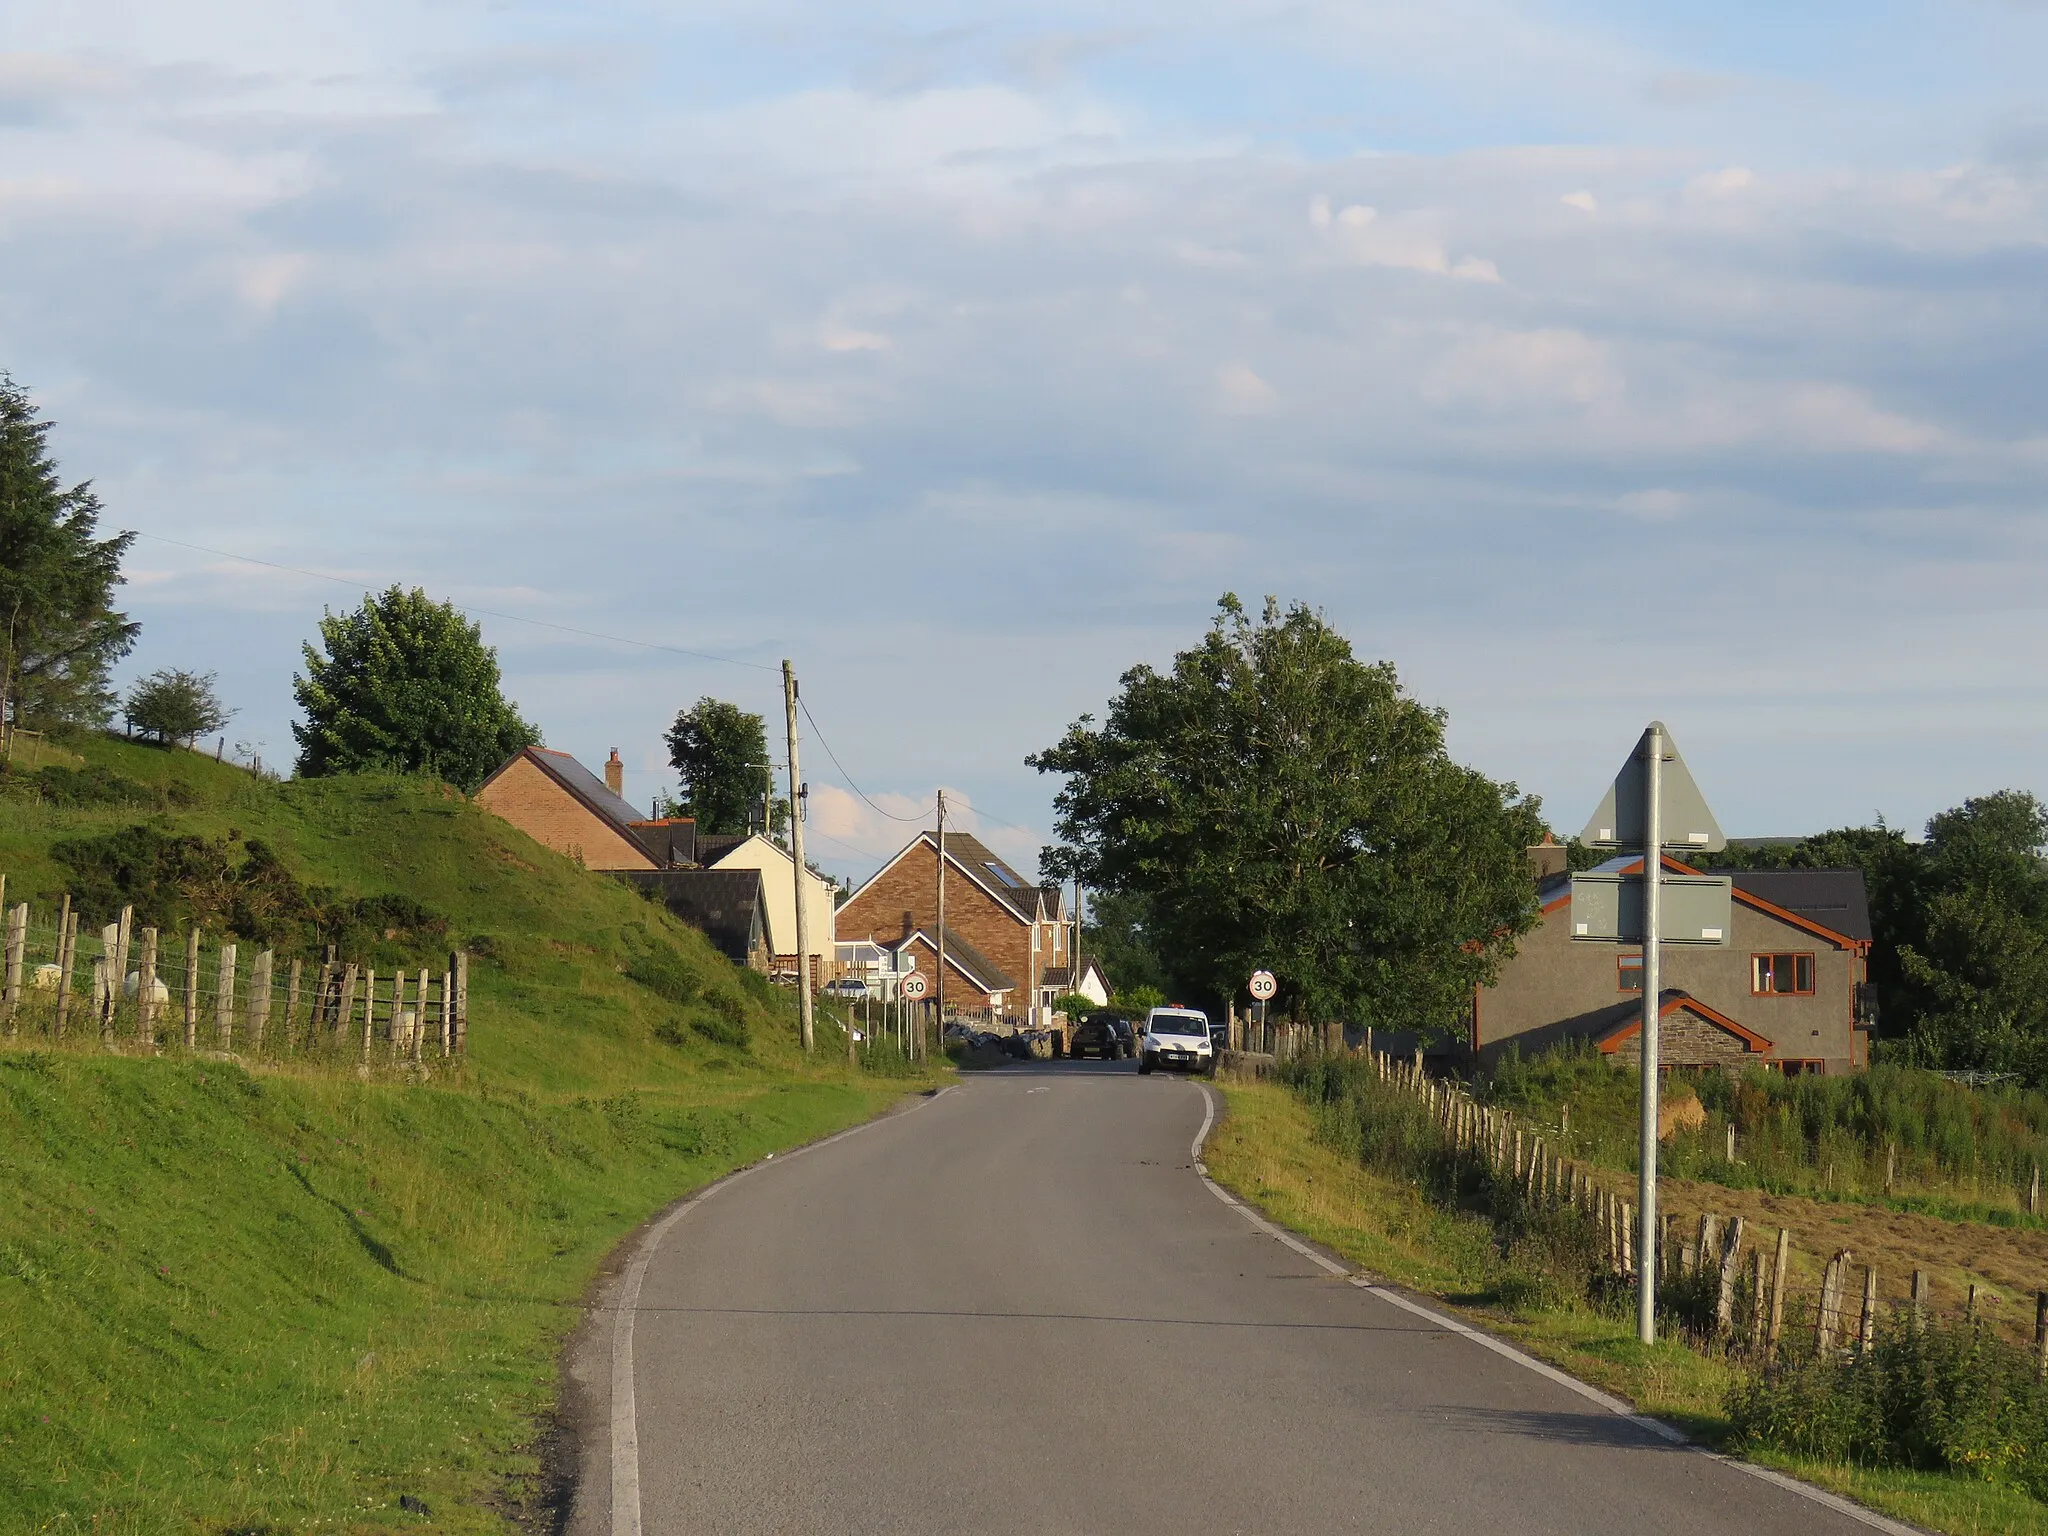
{"x": 1263, "y": 985}
{"x": 912, "y": 986}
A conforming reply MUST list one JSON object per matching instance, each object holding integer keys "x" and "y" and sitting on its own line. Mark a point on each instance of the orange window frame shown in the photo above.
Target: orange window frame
{"x": 1765, "y": 962}
{"x": 1628, "y": 968}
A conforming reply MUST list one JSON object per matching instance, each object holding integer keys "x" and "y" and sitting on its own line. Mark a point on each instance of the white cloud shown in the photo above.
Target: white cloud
{"x": 1476, "y": 269}
{"x": 1585, "y": 202}
{"x": 1533, "y": 370}
{"x": 1241, "y": 392}
{"x": 1722, "y": 183}
{"x": 1653, "y": 506}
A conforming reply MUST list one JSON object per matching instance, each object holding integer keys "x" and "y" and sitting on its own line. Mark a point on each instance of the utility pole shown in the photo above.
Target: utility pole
{"x": 796, "y": 853}
{"x": 1653, "y": 885}
{"x": 939, "y": 939}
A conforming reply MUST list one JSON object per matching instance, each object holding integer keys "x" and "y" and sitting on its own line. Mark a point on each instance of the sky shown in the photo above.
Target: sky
{"x": 1591, "y": 364}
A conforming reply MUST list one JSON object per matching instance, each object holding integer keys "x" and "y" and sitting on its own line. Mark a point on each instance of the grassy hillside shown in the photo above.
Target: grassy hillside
{"x": 272, "y": 1297}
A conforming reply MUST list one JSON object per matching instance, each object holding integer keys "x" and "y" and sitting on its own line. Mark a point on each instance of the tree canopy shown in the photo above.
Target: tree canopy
{"x": 59, "y": 631}
{"x": 721, "y": 753}
{"x": 406, "y": 685}
{"x": 173, "y": 705}
{"x": 1280, "y": 804}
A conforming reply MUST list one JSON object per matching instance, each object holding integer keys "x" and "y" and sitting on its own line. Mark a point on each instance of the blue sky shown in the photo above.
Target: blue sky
{"x": 1589, "y": 363}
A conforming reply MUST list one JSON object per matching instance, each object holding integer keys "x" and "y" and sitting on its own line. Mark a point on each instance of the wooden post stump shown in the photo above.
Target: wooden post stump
{"x": 192, "y": 990}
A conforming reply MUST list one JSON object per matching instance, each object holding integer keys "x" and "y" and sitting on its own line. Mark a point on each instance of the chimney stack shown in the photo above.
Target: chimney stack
{"x": 615, "y": 773}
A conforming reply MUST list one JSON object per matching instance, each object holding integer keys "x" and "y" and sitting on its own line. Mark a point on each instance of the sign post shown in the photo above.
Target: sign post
{"x": 1262, "y": 987}
{"x": 1652, "y": 803}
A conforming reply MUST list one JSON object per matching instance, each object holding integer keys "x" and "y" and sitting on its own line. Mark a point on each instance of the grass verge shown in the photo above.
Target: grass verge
{"x": 1266, "y": 1151}
{"x": 268, "y": 1297}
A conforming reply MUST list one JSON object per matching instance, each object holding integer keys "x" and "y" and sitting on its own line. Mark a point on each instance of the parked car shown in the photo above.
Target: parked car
{"x": 1177, "y": 1037}
{"x": 1096, "y": 1036}
{"x": 847, "y": 988}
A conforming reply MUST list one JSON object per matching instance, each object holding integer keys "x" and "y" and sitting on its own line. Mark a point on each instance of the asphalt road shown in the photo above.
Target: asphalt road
{"x": 1018, "y": 1308}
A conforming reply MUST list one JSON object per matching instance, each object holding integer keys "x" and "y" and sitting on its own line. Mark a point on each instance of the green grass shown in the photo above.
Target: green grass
{"x": 274, "y": 1297}
{"x": 1950, "y": 1151}
{"x": 1267, "y": 1150}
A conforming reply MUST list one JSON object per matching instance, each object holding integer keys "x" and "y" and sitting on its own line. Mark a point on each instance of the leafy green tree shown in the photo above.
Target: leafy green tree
{"x": 406, "y": 685}
{"x": 172, "y": 705}
{"x": 59, "y": 631}
{"x": 1281, "y": 804}
{"x": 721, "y": 752}
{"x": 1117, "y": 934}
{"x": 1979, "y": 968}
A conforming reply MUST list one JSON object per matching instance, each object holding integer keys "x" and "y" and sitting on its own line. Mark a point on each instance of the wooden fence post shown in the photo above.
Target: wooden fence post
{"x": 1866, "y": 1325}
{"x": 107, "y": 981}
{"x": 1759, "y": 1312}
{"x": 124, "y": 939}
{"x": 101, "y": 1011}
{"x": 369, "y": 1016}
{"x": 17, "y": 959}
{"x": 192, "y": 989}
{"x": 291, "y": 1004}
{"x": 1827, "y": 1322}
{"x": 1731, "y": 1266}
{"x": 461, "y": 962}
{"x": 145, "y": 990}
{"x": 2041, "y": 1334}
{"x": 397, "y": 1014}
{"x": 224, "y": 1001}
{"x": 2034, "y": 1193}
{"x": 259, "y": 1000}
{"x": 419, "y": 1033}
{"x": 345, "y": 1004}
{"x": 67, "y": 957}
{"x": 1778, "y": 1269}
{"x": 1919, "y": 1297}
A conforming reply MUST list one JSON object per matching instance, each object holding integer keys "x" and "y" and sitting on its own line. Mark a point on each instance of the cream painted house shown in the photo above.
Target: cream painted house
{"x": 820, "y": 901}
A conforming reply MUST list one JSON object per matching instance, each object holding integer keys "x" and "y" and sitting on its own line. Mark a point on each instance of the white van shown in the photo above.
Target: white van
{"x": 1177, "y": 1037}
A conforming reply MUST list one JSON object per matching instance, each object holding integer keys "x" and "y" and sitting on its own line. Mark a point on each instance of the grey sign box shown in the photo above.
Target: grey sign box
{"x": 1697, "y": 909}
{"x": 1618, "y": 822}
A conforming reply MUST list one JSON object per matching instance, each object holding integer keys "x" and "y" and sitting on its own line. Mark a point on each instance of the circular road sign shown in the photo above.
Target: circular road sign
{"x": 1263, "y": 986}
{"x": 913, "y": 986}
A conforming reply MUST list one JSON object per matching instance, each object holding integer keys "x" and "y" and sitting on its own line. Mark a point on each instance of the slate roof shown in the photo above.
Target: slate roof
{"x": 992, "y": 870}
{"x": 587, "y": 787}
{"x": 992, "y": 977}
{"x": 713, "y": 846}
{"x": 728, "y": 905}
{"x": 1834, "y": 898}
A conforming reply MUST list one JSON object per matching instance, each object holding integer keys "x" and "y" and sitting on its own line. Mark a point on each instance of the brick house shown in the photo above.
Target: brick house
{"x": 1787, "y": 991}
{"x": 557, "y": 801}
{"x": 1007, "y": 929}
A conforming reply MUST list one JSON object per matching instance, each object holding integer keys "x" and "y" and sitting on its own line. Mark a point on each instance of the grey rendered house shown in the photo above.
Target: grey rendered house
{"x": 1789, "y": 991}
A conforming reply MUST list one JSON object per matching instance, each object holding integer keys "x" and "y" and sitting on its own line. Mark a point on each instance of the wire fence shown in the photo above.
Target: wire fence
{"x": 134, "y": 989}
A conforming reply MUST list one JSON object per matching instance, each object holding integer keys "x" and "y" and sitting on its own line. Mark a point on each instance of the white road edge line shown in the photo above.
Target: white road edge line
{"x": 1614, "y": 1405}
{"x": 625, "y": 1500}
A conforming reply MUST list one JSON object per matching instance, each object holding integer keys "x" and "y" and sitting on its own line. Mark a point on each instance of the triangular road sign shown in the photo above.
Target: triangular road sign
{"x": 1688, "y": 824}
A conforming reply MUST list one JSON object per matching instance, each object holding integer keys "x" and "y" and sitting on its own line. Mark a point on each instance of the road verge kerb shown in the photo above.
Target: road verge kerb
{"x": 1612, "y": 1404}
{"x": 625, "y": 1431}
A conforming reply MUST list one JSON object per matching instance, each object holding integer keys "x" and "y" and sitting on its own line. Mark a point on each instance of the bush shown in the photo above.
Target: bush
{"x": 1936, "y": 1395}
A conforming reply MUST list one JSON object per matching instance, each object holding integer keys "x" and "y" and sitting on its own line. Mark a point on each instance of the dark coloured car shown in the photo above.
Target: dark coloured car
{"x": 1096, "y": 1035}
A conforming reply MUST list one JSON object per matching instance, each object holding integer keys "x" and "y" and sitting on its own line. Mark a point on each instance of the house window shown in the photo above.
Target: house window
{"x": 1781, "y": 975}
{"x": 1056, "y": 933}
{"x": 1630, "y": 968}
{"x": 1797, "y": 1068}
